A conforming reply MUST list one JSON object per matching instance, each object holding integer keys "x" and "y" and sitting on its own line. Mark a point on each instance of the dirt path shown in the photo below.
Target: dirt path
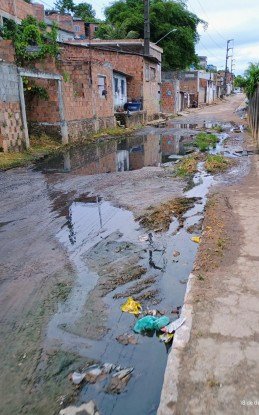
{"x": 216, "y": 369}
{"x": 59, "y": 305}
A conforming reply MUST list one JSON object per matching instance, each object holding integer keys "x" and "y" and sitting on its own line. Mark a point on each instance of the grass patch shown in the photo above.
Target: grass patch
{"x": 117, "y": 131}
{"x": 45, "y": 145}
{"x": 187, "y": 166}
{"x": 40, "y": 146}
{"x": 216, "y": 163}
{"x": 205, "y": 141}
{"x": 218, "y": 128}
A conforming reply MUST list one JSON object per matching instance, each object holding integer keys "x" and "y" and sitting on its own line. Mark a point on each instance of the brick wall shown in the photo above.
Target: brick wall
{"x": 139, "y": 87}
{"x": 6, "y": 51}
{"x": 38, "y": 11}
{"x": 64, "y": 21}
{"x": 18, "y": 8}
{"x": 79, "y": 27}
{"x": 168, "y": 97}
{"x": 11, "y": 128}
{"x": 86, "y": 110}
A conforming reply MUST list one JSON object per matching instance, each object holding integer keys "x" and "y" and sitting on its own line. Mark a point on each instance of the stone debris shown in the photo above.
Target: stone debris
{"x": 88, "y": 408}
{"x": 126, "y": 339}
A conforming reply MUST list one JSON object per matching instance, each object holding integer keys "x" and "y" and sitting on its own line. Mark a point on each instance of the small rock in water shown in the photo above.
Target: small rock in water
{"x": 127, "y": 339}
{"x": 176, "y": 253}
{"x": 184, "y": 281}
{"x": 88, "y": 408}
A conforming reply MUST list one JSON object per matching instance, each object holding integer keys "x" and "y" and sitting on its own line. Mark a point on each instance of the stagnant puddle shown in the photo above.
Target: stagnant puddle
{"x": 125, "y": 154}
{"x": 100, "y": 225}
{"x": 114, "y": 261}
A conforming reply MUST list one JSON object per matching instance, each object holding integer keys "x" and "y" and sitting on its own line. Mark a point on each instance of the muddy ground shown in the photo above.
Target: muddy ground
{"x": 72, "y": 251}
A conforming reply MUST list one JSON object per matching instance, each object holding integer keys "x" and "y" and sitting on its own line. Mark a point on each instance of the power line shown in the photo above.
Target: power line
{"x": 211, "y": 53}
{"x": 213, "y": 40}
{"x": 202, "y": 8}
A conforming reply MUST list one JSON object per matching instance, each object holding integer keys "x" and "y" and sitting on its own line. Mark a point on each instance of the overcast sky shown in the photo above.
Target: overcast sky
{"x": 227, "y": 19}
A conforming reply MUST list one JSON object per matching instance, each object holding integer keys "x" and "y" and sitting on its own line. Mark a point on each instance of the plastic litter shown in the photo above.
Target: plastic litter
{"x": 77, "y": 377}
{"x": 143, "y": 238}
{"x": 174, "y": 325}
{"x": 85, "y": 408}
{"x": 93, "y": 375}
{"x": 108, "y": 367}
{"x": 151, "y": 323}
{"x": 131, "y": 306}
{"x": 196, "y": 239}
{"x": 166, "y": 337}
{"x": 124, "y": 372}
{"x": 119, "y": 381}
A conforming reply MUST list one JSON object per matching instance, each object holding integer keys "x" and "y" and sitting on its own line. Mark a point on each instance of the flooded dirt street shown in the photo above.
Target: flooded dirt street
{"x": 83, "y": 231}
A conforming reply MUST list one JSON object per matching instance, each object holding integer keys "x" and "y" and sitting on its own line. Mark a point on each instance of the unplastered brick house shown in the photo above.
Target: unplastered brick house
{"x": 89, "y": 72}
{"x": 85, "y": 74}
{"x": 194, "y": 87}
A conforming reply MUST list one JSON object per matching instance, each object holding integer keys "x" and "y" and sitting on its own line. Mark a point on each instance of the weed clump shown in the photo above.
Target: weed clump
{"x": 187, "y": 167}
{"x": 216, "y": 163}
{"x": 205, "y": 141}
{"x": 160, "y": 217}
{"x": 218, "y": 128}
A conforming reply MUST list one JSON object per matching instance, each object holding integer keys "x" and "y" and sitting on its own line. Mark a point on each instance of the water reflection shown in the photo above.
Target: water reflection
{"x": 130, "y": 153}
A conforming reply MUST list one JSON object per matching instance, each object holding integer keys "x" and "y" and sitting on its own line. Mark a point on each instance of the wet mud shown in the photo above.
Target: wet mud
{"x": 125, "y": 221}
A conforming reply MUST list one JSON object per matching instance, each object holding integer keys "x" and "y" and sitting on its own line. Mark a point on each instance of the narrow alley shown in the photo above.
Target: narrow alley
{"x": 83, "y": 230}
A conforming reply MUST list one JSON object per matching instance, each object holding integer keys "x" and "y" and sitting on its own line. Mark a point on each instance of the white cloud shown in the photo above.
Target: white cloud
{"x": 228, "y": 19}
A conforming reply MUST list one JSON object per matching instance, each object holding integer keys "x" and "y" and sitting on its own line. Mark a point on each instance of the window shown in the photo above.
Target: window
{"x": 77, "y": 28}
{"x": 102, "y": 86}
{"x": 116, "y": 85}
{"x": 147, "y": 73}
{"x": 122, "y": 87}
{"x": 152, "y": 75}
{"x": 96, "y": 28}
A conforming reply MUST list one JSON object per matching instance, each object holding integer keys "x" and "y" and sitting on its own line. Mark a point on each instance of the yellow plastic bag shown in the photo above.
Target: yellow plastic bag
{"x": 196, "y": 239}
{"x": 166, "y": 337}
{"x": 131, "y": 306}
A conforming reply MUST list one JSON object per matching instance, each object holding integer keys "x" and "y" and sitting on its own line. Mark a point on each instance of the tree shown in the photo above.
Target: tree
{"x": 125, "y": 16}
{"x": 83, "y": 10}
{"x": 64, "y": 6}
{"x": 250, "y": 79}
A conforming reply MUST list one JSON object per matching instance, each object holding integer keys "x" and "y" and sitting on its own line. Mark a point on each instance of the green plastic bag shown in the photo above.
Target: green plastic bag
{"x": 151, "y": 323}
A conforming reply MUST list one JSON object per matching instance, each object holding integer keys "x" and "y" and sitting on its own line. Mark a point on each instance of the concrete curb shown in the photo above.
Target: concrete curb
{"x": 169, "y": 392}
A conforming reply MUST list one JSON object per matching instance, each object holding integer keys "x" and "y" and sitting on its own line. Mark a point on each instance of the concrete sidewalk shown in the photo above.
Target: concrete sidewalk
{"x": 214, "y": 366}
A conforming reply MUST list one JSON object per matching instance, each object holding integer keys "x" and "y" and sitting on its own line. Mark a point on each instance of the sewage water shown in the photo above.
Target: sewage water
{"x": 90, "y": 223}
{"x": 130, "y": 153}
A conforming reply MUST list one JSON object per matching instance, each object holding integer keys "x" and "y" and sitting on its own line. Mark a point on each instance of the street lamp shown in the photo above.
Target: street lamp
{"x": 173, "y": 30}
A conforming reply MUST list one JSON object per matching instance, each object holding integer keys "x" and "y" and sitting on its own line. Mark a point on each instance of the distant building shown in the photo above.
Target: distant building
{"x": 212, "y": 68}
{"x": 203, "y": 61}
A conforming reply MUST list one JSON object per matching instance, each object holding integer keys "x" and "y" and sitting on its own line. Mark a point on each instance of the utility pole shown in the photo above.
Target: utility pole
{"x": 146, "y": 28}
{"x": 232, "y": 64}
{"x": 226, "y": 67}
